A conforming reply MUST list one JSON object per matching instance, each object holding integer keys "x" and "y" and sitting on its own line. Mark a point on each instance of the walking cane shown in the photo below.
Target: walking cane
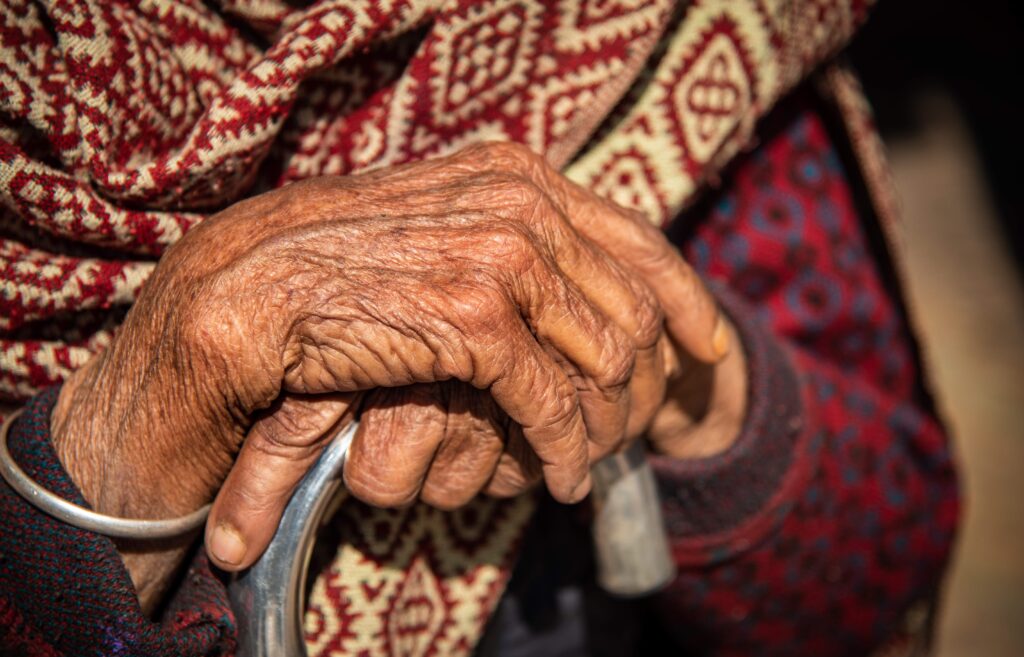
{"x": 629, "y": 537}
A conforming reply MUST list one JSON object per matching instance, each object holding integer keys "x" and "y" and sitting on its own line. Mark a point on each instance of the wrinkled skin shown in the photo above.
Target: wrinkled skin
{"x": 492, "y": 323}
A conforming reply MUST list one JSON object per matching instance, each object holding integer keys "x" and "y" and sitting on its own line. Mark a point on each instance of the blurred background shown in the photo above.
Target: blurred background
{"x": 943, "y": 79}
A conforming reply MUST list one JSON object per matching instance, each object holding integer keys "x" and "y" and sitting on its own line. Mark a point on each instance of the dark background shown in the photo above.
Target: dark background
{"x": 973, "y": 51}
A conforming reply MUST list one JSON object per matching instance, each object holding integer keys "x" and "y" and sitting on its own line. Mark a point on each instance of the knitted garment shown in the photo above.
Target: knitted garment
{"x": 123, "y": 124}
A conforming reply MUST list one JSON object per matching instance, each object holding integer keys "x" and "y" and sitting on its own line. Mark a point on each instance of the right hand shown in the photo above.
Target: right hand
{"x": 261, "y": 323}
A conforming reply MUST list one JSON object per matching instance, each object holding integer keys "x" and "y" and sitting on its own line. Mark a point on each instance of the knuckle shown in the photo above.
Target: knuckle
{"x": 657, "y": 255}
{"x": 482, "y": 302}
{"x": 618, "y": 369}
{"x": 273, "y": 439}
{"x": 270, "y": 436}
{"x": 447, "y": 495}
{"x": 510, "y": 243}
{"x": 508, "y": 193}
{"x": 648, "y": 316}
{"x": 288, "y": 430}
{"x": 364, "y": 484}
{"x": 505, "y": 155}
{"x": 519, "y": 192}
{"x": 250, "y": 495}
{"x": 562, "y": 408}
{"x": 510, "y": 479}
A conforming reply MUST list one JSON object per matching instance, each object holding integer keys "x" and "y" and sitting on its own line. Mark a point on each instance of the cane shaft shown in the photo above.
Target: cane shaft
{"x": 631, "y": 546}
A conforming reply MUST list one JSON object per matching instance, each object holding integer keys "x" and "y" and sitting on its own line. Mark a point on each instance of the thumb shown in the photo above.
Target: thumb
{"x": 279, "y": 449}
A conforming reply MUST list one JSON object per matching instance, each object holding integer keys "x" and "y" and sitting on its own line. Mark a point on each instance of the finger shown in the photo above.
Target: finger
{"x": 628, "y": 303}
{"x": 705, "y": 408}
{"x": 670, "y": 356}
{"x": 617, "y": 293}
{"x": 400, "y": 429}
{"x": 646, "y": 391}
{"x": 536, "y": 393}
{"x": 469, "y": 453}
{"x": 600, "y": 353}
{"x": 278, "y": 450}
{"x": 519, "y": 468}
{"x": 691, "y": 314}
{"x": 632, "y": 306}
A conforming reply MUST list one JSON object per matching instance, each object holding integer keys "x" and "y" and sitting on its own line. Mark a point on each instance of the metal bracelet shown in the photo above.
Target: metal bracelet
{"x": 82, "y": 518}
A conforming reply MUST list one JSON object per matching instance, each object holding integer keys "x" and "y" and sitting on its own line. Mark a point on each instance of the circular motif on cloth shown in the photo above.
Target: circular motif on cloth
{"x": 778, "y": 215}
{"x": 808, "y": 170}
{"x": 828, "y": 216}
{"x": 815, "y": 299}
{"x": 756, "y": 282}
{"x": 735, "y": 251}
{"x": 698, "y": 253}
{"x": 848, "y": 256}
{"x": 724, "y": 215}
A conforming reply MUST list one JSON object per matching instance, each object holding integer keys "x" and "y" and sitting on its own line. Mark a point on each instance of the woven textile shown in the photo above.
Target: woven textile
{"x": 124, "y": 124}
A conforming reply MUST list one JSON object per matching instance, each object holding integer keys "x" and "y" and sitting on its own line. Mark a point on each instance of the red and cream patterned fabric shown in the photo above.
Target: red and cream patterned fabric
{"x": 412, "y": 582}
{"x": 123, "y": 124}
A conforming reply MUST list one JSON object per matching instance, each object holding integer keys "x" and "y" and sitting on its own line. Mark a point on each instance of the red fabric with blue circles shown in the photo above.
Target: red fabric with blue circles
{"x": 856, "y": 532}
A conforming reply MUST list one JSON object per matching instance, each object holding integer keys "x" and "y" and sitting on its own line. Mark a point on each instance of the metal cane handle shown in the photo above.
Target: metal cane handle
{"x": 629, "y": 537}
{"x": 268, "y": 597}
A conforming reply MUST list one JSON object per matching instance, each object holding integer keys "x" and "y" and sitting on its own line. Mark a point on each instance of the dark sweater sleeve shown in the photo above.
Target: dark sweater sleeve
{"x": 832, "y": 515}
{"x": 65, "y": 591}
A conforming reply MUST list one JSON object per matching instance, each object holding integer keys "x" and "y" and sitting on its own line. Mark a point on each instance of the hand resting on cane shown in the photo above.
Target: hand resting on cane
{"x": 501, "y": 323}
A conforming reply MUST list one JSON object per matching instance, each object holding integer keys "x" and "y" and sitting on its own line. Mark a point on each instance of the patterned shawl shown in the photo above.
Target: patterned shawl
{"x": 123, "y": 124}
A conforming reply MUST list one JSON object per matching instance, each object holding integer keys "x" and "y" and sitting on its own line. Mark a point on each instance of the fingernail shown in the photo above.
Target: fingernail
{"x": 720, "y": 338}
{"x": 226, "y": 545}
{"x": 582, "y": 489}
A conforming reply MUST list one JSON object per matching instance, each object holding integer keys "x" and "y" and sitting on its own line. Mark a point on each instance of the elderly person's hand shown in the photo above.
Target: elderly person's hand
{"x": 507, "y": 324}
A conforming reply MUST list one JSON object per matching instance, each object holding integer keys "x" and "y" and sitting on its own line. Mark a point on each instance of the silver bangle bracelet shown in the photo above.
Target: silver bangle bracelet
{"x": 82, "y": 518}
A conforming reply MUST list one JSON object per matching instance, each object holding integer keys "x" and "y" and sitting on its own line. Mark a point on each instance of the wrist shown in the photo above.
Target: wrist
{"x": 123, "y": 465}
{"x": 149, "y": 427}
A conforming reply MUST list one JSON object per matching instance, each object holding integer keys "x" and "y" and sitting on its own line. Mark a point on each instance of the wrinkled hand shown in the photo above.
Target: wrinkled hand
{"x": 428, "y": 285}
